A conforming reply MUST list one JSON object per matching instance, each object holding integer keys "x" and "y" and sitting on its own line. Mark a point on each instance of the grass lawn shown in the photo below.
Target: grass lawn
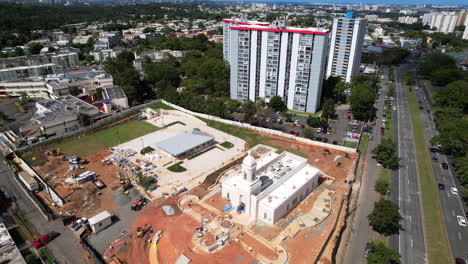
{"x": 251, "y": 137}
{"x": 227, "y": 144}
{"x": 109, "y": 137}
{"x": 350, "y": 144}
{"x": 303, "y": 113}
{"x": 436, "y": 236}
{"x": 177, "y": 167}
{"x": 364, "y": 143}
{"x": 162, "y": 106}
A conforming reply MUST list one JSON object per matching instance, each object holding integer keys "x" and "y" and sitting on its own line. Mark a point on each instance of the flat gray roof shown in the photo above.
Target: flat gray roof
{"x": 181, "y": 143}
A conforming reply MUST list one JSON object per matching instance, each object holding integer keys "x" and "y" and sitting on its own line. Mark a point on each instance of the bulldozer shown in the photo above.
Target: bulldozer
{"x": 126, "y": 183}
{"x": 54, "y": 153}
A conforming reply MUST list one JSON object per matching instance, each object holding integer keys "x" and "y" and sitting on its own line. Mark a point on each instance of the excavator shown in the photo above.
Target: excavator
{"x": 54, "y": 152}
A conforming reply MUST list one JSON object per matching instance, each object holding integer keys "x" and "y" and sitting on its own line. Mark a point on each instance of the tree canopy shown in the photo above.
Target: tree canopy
{"x": 277, "y": 103}
{"x": 381, "y": 254}
{"x": 386, "y": 153}
{"x": 362, "y": 101}
{"x": 385, "y": 218}
{"x": 440, "y": 69}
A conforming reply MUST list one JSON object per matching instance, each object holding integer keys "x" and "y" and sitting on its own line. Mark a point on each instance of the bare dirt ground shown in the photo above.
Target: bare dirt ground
{"x": 85, "y": 199}
{"x": 179, "y": 230}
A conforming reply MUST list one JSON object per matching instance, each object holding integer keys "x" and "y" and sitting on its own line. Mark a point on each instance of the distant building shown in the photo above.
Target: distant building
{"x": 267, "y": 189}
{"x": 66, "y": 60}
{"x": 346, "y": 46}
{"x": 9, "y": 252}
{"x": 186, "y": 144}
{"x": 101, "y": 56}
{"x": 52, "y": 86}
{"x": 465, "y": 33}
{"x": 275, "y": 60}
{"x": 56, "y": 117}
{"x": 407, "y": 20}
{"x": 15, "y": 73}
{"x": 444, "y": 22}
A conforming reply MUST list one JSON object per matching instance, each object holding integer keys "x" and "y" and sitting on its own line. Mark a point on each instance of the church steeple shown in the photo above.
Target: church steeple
{"x": 249, "y": 167}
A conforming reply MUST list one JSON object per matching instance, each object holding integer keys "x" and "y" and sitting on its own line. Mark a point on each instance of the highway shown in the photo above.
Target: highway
{"x": 451, "y": 204}
{"x": 65, "y": 248}
{"x": 410, "y": 241}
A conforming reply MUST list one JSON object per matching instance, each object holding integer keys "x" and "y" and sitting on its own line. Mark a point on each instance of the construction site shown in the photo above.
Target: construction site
{"x": 205, "y": 228}
{"x": 165, "y": 189}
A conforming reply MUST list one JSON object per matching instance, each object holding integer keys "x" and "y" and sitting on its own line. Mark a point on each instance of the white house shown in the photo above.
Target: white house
{"x": 269, "y": 188}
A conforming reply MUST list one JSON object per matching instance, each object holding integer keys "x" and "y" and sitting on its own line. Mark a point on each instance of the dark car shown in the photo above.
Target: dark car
{"x": 45, "y": 239}
{"x": 460, "y": 261}
{"x": 434, "y": 158}
{"x": 445, "y": 166}
{"x": 318, "y": 139}
{"x": 325, "y": 140}
{"x": 335, "y": 142}
{"x": 441, "y": 186}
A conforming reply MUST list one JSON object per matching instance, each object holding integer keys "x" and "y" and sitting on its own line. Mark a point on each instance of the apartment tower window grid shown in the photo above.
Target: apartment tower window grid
{"x": 269, "y": 61}
{"x": 346, "y": 47}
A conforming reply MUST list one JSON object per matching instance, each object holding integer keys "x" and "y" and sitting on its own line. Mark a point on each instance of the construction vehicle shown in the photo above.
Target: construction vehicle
{"x": 138, "y": 204}
{"x": 141, "y": 231}
{"x": 98, "y": 184}
{"x": 54, "y": 152}
{"x": 125, "y": 182}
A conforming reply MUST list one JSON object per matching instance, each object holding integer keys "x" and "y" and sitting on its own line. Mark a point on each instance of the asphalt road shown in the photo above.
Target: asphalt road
{"x": 410, "y": 241}
{"x": 65, "y": 248}
{"x": 360, "y": 229}
{"x": 451, "y": 204}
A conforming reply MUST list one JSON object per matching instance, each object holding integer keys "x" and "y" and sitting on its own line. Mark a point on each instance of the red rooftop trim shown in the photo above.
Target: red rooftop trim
{"x": 303, "y": 31}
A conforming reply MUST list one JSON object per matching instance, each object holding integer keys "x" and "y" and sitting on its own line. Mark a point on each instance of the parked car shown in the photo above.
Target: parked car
{"x": 296, "y": 133}
{"x": 454, "y": 190}
{"x": 302, "y": 126}
{"x": 324, "y": 140}
{"x": 45, "y": 239}
{"x": 318, "y": 130}
{"x": 78, "y": 223}
{"x": 461, "y": 220}
{"x": 445, "y": 166}
{"x": 460, "y": 261}
{"x": 434, "y": 158}
{"x": 441, "y": 186}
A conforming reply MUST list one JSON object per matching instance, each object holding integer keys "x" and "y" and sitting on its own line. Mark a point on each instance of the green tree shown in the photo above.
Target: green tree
{"x": 277, "y": 103}
{"x": 362, "y": 102}
{"x": 381, "y": 254}
{"x": 440, "y": 69}
{"x": 454, "y": 95}
{"x": 328, "y": 108}
{"x": 386, "y": 153}
{"x": 35, "y": 48}
{"x": 385, "y": 218}
{"x": 233, "y": 105}
{"x": 453, "y": 137}
{"x": 250, "y": 110}
{"x": 382, "y": 186}
{"x": 309, "y": 133}
{"x": 84, "y": 119}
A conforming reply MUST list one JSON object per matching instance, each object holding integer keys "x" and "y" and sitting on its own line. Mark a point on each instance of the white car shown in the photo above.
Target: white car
{"x": 461, "y": 220}
{"x": 454, "y": 190}
{"x": 319, "y": 130}
{"x": 384, "y": 119}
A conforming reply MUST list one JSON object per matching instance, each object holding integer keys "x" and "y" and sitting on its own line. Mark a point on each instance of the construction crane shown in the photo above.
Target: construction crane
{"x": 141, "y": 231}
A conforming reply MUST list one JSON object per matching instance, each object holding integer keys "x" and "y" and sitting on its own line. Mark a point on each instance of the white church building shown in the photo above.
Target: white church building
{"x": 269, "y": 188}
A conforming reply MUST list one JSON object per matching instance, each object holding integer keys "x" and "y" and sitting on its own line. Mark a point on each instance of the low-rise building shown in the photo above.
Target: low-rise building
{"x": 186, "y": 144}
{"x": 15, "y": 73}
{"x": 100, "y": 221}
{"x": 267, "y": 189}
{"x": 57, "y": 116}
{"x": 115, "y": 95}
{"x": 9, "y": 252}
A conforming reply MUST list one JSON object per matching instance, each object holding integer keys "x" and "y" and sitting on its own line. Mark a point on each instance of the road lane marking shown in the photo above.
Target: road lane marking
{"x": 459, "y": 235}
{"x": 410, "y": 219}
{"x": 453, "y": 212}
{"x": 412, "y": 243}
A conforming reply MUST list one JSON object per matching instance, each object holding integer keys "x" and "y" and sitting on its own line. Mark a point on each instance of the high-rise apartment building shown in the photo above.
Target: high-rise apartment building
{"x": 443, "y": 22}
{"x": 267, "y": 61}
{"x": 346, "y": 46}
